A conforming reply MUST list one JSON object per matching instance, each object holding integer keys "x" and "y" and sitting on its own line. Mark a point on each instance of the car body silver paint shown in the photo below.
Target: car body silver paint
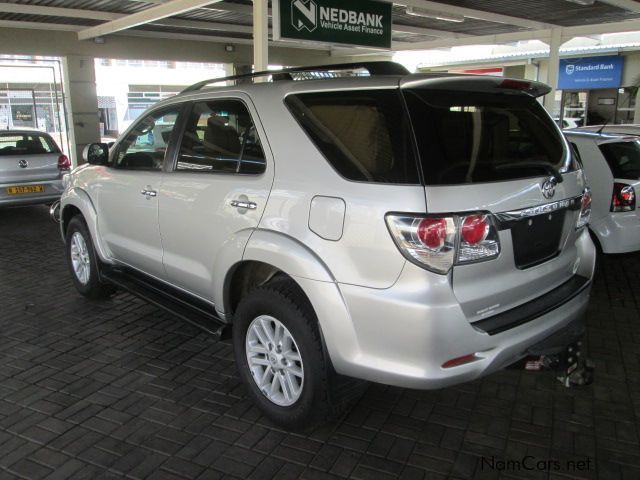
{"x": 368, "y": 338}
{"x": 30, "y": 170}
{"x": 360, "y": 285}
{"x": 195, "y": 209}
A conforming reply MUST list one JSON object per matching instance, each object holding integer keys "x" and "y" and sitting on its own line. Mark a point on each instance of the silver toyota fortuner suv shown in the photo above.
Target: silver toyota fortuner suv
{"x": 413, "y": 230}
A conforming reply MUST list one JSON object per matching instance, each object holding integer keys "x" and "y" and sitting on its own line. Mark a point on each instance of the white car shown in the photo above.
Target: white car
{"x": 612, "y": 166}
{"x": 612, "y": 129}
{"x": 569, "y": 122}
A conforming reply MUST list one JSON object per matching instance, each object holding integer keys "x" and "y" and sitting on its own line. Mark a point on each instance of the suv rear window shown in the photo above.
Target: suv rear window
{"x": 623, "y": 159}
{"x": 364, "y": 135}
{"x": 467, "y": 137}
{"x": 26, "y": 144}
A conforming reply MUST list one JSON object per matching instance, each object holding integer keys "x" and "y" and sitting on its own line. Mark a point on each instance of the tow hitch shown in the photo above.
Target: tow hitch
{"x": 571, "y": 367}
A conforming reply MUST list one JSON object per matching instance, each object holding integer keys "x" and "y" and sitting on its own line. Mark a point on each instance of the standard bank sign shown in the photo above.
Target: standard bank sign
{"x": 351, "y": 22}
{"x": 590, "y": 72}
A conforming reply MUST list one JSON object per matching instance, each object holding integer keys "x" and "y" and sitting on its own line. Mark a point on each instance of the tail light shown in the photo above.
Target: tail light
{"x": 478, "y": 239}
{"x": 585, "y": 209}
{"x": 437, "y": 242}
{"x": 64, "y": 163}
{"x": 623, "y": 198}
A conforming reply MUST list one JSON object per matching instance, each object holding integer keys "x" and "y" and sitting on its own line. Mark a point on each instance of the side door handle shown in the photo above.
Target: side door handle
{"x": 149, "y": 193}
{"x": 244, "y": 204}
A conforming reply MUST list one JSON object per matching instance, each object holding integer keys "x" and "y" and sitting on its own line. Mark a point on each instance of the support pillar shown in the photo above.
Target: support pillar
{"x": 260, "y": 35}
{"x": 636, "y": 111}
{"x": 554, "y": 69}
{"x": 81, "y": 104}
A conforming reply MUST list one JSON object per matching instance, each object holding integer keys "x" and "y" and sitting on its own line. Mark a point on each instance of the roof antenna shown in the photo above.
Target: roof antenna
{"x": 599, "y": 132}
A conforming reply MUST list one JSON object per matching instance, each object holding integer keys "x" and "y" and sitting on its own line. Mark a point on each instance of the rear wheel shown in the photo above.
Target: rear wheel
{"x": 83, "y": 262}
{"x": 279, "y": 354}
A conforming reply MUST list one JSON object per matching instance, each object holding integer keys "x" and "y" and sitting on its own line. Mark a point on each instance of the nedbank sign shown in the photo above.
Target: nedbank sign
{"x": 352, "y": 22}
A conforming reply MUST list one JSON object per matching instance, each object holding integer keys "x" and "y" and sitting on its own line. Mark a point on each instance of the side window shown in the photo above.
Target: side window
{"x": 364, "y": 134}
{"x": 576, "y": 155}
{"x": 146, "y": 144}
{"x": 221, "y": 137}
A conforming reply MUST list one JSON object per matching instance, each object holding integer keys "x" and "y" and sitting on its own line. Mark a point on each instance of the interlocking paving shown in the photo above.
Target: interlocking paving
{"x": 119, "y": 389}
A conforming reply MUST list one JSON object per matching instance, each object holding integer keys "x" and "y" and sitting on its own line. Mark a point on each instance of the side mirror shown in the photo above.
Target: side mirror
{"x": 96, "y": 154}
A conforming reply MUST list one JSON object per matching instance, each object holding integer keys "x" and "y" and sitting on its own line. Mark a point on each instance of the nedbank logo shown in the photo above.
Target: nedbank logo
{"x": 348, "y": 22}
{"x": 304, "y": 15}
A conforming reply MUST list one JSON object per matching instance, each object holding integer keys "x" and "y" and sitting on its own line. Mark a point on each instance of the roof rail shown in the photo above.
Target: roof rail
{"x": 374, "y": 68}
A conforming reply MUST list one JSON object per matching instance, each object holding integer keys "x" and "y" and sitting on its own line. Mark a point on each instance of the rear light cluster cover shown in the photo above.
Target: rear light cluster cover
{"x": 64, "y": 163}
{"x": 585, "y": 209}
{"x": 623, "y": 198}
{"x": 438, "y": 242}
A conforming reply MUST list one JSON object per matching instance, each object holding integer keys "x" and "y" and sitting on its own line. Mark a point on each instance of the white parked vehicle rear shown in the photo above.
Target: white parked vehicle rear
{"x": 413, "y": 230}
{"x": 612, "y": 166}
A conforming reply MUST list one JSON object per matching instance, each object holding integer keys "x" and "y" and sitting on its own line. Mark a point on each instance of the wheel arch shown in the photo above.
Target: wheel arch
{"x": 266, "y": 254}
{"x": 248, "y": 274}
{"x": 272, "y": 253}
{"x": 77, "y": 202}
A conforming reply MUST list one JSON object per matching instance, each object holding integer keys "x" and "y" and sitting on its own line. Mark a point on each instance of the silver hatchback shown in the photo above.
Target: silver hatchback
{"x": 31, "y": 168}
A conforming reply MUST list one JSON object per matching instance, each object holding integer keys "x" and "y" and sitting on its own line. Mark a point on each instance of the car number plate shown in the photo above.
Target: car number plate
{"x": 20, "y": 190}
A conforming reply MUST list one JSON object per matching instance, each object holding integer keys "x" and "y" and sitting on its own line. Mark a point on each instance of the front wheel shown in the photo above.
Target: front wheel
{"x": 279, "y": 355}
{"x": 83, "y": 262}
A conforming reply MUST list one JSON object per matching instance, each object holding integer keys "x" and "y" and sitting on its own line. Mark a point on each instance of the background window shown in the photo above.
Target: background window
{"x": 220, "y": 137}
{"x": 146, "y": 144}
{"x": 623, "y": 159}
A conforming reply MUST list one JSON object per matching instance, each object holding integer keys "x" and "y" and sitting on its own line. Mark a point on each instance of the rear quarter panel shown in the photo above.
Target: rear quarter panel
{"x": 365, "y": 254}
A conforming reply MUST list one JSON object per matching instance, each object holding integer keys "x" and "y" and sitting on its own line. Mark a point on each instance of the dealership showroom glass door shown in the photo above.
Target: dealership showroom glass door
{"x": 613, "y": 106}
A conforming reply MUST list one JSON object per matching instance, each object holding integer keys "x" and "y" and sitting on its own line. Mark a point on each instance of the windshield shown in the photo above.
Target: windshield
{"x": 469, "y": 137}
{"x": 623, "y": 159}
{"x": 26, "y": 144}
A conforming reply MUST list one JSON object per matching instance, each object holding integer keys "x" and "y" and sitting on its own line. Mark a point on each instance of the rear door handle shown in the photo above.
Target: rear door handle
{"x": 149, "y": 193}
{"x": 244, "y": 204}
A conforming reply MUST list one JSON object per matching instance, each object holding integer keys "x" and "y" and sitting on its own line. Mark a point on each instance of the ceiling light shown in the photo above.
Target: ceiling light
{"x": 584, "y": 3}
{"x": 446, "y": 17}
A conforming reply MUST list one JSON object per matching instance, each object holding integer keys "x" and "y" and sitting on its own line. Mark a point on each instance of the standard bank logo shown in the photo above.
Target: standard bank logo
{"x": 569, "y": 69}
{"x": 304, "y": 15}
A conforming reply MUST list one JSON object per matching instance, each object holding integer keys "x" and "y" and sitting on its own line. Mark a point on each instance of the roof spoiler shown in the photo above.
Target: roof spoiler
{"x": 475, "y": 83}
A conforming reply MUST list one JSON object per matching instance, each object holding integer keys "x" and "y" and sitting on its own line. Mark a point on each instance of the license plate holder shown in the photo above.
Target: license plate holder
{"x": 537, "y": 239}
{"x": 24, "y": 189}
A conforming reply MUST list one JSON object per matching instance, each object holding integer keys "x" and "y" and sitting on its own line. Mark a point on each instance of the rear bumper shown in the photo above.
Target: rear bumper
{"x": 404, "y": 334}
{"x": 52, "y": 191}
{"x": 618, "y": 232}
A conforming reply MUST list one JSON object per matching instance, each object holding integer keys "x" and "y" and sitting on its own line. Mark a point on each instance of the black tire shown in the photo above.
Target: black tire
{"x": 325, "y": 395}
{"x": 92, "y": 287}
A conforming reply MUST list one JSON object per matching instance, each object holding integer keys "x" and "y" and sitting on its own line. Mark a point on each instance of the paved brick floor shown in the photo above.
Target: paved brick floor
{"x": 114, "y": 389}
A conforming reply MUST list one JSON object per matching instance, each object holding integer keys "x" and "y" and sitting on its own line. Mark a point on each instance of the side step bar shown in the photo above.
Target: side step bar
{"x": 189, "y": 309}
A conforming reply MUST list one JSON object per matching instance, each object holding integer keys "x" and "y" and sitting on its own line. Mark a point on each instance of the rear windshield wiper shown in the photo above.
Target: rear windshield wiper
{"x": 547, "y": 167}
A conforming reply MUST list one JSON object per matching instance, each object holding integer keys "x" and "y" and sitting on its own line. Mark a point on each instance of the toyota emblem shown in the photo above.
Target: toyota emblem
{"x": 23, "y": 164}
{"x": 549, "y": 188}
